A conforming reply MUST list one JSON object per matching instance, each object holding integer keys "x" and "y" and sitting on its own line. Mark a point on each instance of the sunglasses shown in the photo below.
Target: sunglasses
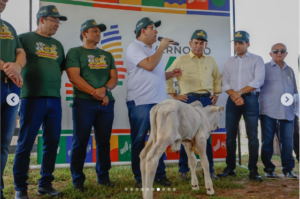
{"x": 282, "y": 51}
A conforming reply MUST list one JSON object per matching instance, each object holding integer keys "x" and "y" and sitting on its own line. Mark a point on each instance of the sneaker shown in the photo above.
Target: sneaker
{"x": 290, "y": 175}
{"x": 138, "y": 184}
{"x": 184, "y": 176}
{"x": 107, "y": 183}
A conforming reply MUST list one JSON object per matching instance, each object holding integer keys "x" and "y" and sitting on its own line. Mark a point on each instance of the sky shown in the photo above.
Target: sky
{"x": 267, "y": 21}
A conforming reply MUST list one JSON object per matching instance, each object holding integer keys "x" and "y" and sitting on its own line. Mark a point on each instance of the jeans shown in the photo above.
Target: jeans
{"x": 34, "y": 112}
{"x": 296, "y": 137}
{"x": 183, "y": 160}
{"x": 285, "y": 137}
{"x": 250, "y": 112}
{"x": 8, "y": 119}
{"x": 88, "y": 114}
{"x": 139, "y": 119}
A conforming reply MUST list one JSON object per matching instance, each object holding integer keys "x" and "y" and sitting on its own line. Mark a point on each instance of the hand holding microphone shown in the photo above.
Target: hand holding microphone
{"x": 166, "y": 41}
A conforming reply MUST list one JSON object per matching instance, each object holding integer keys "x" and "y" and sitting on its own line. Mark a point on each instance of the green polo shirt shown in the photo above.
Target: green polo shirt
{"x": 9, "y": 43}
{"x": 45, "y": 63}
{"x": 95, "y": 66}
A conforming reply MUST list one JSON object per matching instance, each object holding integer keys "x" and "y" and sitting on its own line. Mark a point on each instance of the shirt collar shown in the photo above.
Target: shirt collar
{"x": 142, "y": 43}
{"x": 192, "y": 55}
{"x": 245, "y": 55}
{"x": 274, "y": 64}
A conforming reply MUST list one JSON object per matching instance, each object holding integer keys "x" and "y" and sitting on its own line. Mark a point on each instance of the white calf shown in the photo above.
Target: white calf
{"x": 172, "y": 123}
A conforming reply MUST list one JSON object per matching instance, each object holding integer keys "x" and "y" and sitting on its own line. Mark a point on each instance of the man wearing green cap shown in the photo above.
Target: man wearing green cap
{"x": 146, "y": 86}
{"x": 200, "y": 80}
{"x": 242, "y": 77}
{"x": 13, "y": 58}
{"x": 93, "y": 73}
{"x": 40, "y": 100}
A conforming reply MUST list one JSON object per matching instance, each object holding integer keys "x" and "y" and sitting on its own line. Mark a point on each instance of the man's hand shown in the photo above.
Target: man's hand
{"x": 164, "y": 43}
{"x": 11, "y": 69}
{"x": 17, "y": 79}
{"x": 239, "y": 101}
{"x": 176, "y": 72}
{"x": 180, "y": 97}
{"x": 234, "y": 95}
{"x": 105, "y": 101}
{"x": 99, "y": 93}
{"x": 214, "y": 99}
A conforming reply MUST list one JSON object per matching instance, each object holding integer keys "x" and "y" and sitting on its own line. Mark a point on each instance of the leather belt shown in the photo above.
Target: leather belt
{"x": 199, "y": 94}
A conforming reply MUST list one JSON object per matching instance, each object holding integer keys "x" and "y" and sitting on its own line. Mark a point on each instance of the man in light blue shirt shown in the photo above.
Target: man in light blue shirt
{"x": 242, "y": 76}
{"x": 280, "y": 79}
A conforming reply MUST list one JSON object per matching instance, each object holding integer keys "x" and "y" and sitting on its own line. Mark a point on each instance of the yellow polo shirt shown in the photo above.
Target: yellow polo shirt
{"x": 198, "y": 75}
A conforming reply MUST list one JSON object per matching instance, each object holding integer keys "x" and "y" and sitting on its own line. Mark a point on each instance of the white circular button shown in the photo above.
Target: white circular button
{"x": 287, "y": 99}
{"x": 12, "y": 99}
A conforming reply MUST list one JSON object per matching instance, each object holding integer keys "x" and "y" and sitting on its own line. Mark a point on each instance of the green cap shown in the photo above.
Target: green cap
{"x": 241, "y": 36}
{"x": 91, "y": 23}
{"x": 50, "y": 11}
{"x": 144, "y": 22}
{"x": 199, "y": 34}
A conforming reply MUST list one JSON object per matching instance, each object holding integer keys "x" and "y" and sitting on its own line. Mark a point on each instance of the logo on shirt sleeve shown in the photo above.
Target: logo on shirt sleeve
{"x": 6, "y": 33}
{"x": 97, "y": 62}
{"x": 43, "y": 50}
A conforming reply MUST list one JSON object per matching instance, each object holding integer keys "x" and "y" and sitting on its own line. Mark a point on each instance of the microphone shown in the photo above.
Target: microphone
{"x": 160, "y": 38}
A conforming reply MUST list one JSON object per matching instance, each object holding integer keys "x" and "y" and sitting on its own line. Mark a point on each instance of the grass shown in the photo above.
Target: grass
{"x": 123, "y": 177}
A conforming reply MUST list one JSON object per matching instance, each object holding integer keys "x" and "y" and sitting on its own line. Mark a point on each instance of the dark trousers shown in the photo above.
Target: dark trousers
{"x": 296, "y": 137}
{"x": 34, "y": 112}
{"x": 139, "y": 119}
{"x": 88, "y": 114}
{"x": 250, "y": 112}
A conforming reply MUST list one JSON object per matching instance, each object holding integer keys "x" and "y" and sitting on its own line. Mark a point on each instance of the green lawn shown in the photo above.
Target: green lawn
{"x": 124, "y": 180}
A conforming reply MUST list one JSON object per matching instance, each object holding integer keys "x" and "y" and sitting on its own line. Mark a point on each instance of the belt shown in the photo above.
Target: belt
{"x": 199, "y": 94}
{"x": 251, "y": 93}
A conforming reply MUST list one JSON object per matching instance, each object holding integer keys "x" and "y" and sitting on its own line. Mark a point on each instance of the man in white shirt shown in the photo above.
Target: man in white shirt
{"x": 146, "y": 86}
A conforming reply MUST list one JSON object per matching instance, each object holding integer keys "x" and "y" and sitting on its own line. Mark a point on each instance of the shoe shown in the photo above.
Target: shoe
{"x": 255, "y": 176}
{"x": 184, "y": 176}
{"x": 163, "y": 181}
{"x": 107, "y": 183}
{"x": 2, "y": 197}
{"x": 21, "y": 194}
{"x": 290, "y": 175}
{"x": 138, "y": 184}
{"x": 48, "y": 190}
{"x": 213, "y": 176}
{"x": 227, "y": 172}
{"x": 79, "y": 187}
{"x": 270, "y": 174}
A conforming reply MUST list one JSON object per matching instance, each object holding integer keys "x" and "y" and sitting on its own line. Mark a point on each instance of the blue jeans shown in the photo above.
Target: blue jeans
{"x": 139, "y": 119}
{"x": 285, "y": 136}
{"x": 183, "y": 160}
{"x": 250, "y": 112}
{"x": 88, "y": 114}
{"x": 34, "y": 112}
{"x": 8, "y": 119}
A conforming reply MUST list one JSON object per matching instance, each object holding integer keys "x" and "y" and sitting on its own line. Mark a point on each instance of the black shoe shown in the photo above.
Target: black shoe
{"x": 2, "y": 197}
{"x": 79, "y": 187}
{"x": 270, "y": 174}
{"x": 184, "y": 176}
{"x": 107, "y": 183}
{"x": 227, "y": 172}
{"x": 163, "y": 181}
{"x": 48, "y": 190}
{"x": 213, "y": 176}
{"x": 138, "y": 184}
{"x": 255, "y": 176}
{"x": 290, "y": 175}
{"x": 21, "y": 194}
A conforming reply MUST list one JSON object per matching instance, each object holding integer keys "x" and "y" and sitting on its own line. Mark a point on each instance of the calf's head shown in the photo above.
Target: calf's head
{"x": 213, "y": 115}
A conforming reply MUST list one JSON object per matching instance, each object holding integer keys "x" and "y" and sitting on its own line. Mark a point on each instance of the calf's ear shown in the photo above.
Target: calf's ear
{"x": 221, "y": 108}
{"x": 218, "y": 108}
{"x": 196, "y": 103}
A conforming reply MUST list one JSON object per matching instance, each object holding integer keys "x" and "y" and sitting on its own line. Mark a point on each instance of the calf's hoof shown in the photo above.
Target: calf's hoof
{"x": 210, "y": 192}
{"x": 195, "y": 187}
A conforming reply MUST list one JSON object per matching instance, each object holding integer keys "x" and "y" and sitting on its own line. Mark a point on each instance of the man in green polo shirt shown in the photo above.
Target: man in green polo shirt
{"x": 13, "y": 59}
{"x": 40, "y": 100}
{"x": 93, "y": 73}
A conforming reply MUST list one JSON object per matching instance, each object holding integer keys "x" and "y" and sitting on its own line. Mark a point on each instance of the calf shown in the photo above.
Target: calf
{"x": 172, "y": 123}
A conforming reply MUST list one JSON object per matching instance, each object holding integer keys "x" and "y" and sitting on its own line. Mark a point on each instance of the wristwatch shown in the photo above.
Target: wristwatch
{"x": 107, "y": 89}
{"x": 240, "y": 92}
{"x": 216, "y": 95}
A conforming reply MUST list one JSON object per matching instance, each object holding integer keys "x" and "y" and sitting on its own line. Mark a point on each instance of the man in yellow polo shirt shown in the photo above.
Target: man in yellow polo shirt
{"x": 200, "y": 80}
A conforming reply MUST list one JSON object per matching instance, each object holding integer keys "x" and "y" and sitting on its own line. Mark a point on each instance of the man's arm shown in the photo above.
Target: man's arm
{"x": 78, "y": 81}
{"x": 151, "y": 62}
